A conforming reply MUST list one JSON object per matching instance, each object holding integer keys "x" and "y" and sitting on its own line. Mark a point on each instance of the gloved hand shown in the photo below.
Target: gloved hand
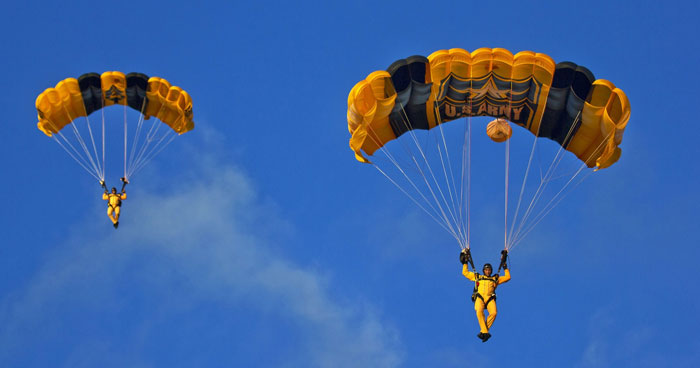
{"x": 102, "y": 184}
{"x": 463, "y": 257}
{"x": 504, "y": 259}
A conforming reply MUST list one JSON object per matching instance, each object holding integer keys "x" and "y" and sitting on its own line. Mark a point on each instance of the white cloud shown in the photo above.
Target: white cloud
{"x": 613, "y": 343}
{"x": 211, "y": 243}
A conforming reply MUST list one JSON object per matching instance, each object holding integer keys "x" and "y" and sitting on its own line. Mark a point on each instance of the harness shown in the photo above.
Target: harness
{"x": 119, "y": 201}
{"x": 478, "y": 277}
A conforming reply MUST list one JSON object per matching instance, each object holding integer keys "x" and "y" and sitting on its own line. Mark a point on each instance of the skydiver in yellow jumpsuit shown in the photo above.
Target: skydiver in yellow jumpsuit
{"x": 484, "y": 296}
{"x": 115, "y": 201}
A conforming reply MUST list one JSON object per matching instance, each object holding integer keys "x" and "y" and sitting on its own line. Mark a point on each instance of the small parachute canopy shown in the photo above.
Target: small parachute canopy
{"x": 499, "y": 130}
{"x": 73, "y": 98}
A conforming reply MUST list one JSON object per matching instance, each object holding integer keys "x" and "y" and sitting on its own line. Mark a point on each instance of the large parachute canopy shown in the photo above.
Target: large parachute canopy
{"x": 72, "y": 101}
{"x": 562, "y": 102}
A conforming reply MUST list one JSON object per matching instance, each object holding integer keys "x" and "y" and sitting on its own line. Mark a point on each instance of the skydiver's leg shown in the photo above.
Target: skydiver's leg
{"x": 479, "y": 307}
{"x": 109, "y": 213}
{"x": 116, "y": 213}
{"x": 492, "y": 313}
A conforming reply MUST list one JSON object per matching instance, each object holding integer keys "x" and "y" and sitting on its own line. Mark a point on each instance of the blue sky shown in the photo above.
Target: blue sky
{"x": 258, "y": 240}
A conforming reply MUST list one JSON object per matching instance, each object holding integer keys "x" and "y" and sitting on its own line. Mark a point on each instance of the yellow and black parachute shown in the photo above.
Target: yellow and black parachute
{"x": 563, "y": 102}
{"x": 73, "y": 100}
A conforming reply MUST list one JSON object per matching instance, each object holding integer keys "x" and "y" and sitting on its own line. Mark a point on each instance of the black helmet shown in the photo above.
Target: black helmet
{"x": 487, "y": 265}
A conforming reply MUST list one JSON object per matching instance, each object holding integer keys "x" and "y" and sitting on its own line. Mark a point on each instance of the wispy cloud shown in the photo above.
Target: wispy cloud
{"x": 208, "y": 243}
{"x": 612, "y": 343}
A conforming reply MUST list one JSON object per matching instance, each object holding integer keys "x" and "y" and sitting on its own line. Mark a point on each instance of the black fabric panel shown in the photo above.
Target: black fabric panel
{"x": 565, "y": 101}
{"x": 456, "y": 90}
{"x": 400, "y": 74}
{"x": 583, "y": 82}
{"x": 91, "y": 89}
{"x": 564, "y": 74}
{"x": 580, "y": 86}
{"x": 412, "y": 92}
{"x": 418, "y": 66}
{"x": 556, "y": 100}
{"x": 556, "y": 103}
{"x": 136, "y": 87}
{"x": 414, "y": 112}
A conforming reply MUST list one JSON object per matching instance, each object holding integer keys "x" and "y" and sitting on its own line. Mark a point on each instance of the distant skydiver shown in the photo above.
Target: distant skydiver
{"x": 484, "y": 295}
{"x": 115, "y": 201}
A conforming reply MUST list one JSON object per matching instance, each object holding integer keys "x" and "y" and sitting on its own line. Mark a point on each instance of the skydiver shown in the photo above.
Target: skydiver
{"x": 115, "y": 201}
{"x": 484, "y": 296}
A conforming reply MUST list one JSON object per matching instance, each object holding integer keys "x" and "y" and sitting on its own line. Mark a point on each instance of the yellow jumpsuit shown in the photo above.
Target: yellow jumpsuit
{"x": 486, "y": 288}
{"x": 115, "y": 201}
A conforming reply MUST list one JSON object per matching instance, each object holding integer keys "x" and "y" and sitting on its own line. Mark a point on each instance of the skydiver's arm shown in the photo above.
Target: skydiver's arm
{"x": 105, "y": 196}
{"x": 468, "y": 274}
{"x": 505, "y": 278}
{"x": 123, "y": 195}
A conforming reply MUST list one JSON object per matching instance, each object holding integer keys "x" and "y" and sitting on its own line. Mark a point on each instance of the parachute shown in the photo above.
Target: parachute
{"x": 72, "y": 101}
{"x": 499, "y": 130}
{"x": 559, "y": 101}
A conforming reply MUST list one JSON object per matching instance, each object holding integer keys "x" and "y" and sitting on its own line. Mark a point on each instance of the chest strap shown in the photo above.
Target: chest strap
{"x": 475, "y": 294}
